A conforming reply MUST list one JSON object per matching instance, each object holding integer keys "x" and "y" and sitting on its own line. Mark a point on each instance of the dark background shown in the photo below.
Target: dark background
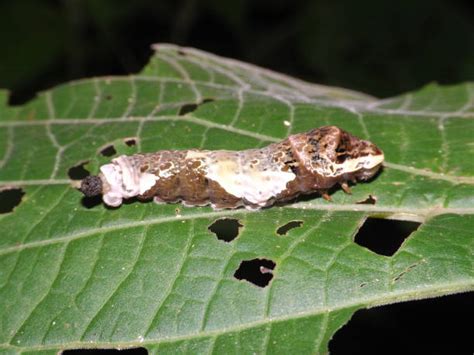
{"x": 383, "y": 48}
{"x": 379, "y": 47}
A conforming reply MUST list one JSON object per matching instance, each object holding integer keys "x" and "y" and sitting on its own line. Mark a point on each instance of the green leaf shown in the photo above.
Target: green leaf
{"x": 155, "y": 276}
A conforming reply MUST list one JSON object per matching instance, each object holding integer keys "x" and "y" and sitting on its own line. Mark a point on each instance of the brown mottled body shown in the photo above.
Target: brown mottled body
{"x": 185, "y": 180}
{"x": 301, "y": 164}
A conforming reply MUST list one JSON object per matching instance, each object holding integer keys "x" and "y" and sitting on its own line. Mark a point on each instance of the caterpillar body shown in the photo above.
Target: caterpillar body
{"x": 303, "y": 163}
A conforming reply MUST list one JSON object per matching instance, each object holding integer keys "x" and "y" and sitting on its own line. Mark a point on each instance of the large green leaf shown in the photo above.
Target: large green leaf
{"x": 155, "y": 276}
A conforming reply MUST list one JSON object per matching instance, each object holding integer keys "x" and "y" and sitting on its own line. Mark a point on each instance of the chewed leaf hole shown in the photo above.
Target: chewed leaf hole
{"x": 226, "y": 229}
{"x": 9, "y": 199}
{"x": 130, "y": 141}
{"x": 78, "y": 172}
{"x": 430, "y": 326}
{"x": 108, "y": 151}
{"x": 188, "y": 108}
{"x": 257, "y": 271}
{"x": 284, "y": 229}
{"x": 132, "y": 351}
{"x": 384, "y": 236}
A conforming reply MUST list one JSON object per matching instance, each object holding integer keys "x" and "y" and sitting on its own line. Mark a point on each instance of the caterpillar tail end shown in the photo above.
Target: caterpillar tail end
{"x": 91, "y": 186}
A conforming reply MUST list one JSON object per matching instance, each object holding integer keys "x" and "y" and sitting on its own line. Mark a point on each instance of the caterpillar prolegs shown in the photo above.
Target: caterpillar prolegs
{"x": 303, "y": 163}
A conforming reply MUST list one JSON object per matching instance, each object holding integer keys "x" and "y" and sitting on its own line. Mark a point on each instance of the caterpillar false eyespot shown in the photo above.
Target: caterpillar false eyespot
{"x": 301, "y": 164}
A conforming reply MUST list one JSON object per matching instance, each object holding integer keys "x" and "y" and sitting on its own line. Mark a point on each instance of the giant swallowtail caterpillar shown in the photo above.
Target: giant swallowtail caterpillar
{"x": 303, "y": 163}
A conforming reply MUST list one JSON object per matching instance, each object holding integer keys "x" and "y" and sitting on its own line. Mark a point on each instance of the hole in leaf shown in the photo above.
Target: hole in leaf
{"x": 370, "y": 200}
{"x": 108, "y": 151}
{"x": 132, "y": 351}
{"x": 226, "y": 229}
{"x": 256, "y": 271}
{"x": 78, "y": 172}
{"x": 130, "y": 141}
{"x": 91, "y": 202}
{"x": 9, "y": 199}
{"x": 289, "y": 226}
{"x": 430, "y": 326}
{"x": 384, "y": 236}
{"x": 187, "y": 108}
{"x": 108, "y": 97}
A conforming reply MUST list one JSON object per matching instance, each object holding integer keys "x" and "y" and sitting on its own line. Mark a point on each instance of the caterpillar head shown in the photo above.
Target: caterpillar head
{"x": 357, "y": 158}
{"x": 334, "y": 153}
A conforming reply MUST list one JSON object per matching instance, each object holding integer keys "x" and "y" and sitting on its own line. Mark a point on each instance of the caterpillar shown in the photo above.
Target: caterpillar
{"x": 303, "y": 163}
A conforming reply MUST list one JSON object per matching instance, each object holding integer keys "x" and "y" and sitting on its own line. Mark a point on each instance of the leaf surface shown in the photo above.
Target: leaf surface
{"x": 75, "y": 275}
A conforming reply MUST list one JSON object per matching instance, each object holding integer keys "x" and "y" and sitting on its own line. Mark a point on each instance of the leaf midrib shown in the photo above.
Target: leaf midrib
{"x": 420, "y": 214}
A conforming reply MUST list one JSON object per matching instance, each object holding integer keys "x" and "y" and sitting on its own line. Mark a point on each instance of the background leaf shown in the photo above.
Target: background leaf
{"x": 76, "y": 274}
